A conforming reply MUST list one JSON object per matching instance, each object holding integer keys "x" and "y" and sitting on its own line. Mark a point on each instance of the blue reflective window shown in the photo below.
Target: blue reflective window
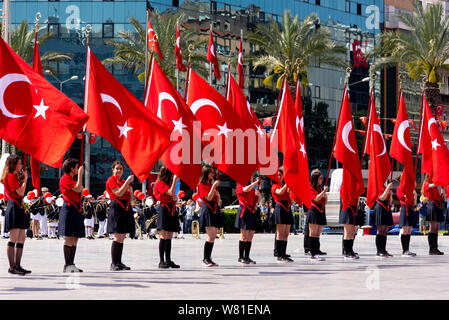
{"x": 86, "y": 12}
{"x": 119, "y": 12}
{"x": 97, "y": 12}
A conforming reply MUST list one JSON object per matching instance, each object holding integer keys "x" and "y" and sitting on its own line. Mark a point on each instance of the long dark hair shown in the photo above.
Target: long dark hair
{"x": 69, "y": 164}
{"x": 10, "y": 166}
{"x": 316, "y": 174}
{"x": 204, "y": 179}
{"x": 165, "y": 175}
{"x": 117, "y": 162}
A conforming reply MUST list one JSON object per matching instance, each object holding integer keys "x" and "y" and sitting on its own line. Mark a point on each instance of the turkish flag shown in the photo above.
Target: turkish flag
{"x": 433, "y": 148}
{"x": 292, "y": 145}
{"x": 35, "y": 164}
{"x": 119, "y": 117}
{"x": 165, "y": 102}
{"x": 216, "y": 114}
{"x": 178, "y": 51}
{"x": 240, "y": 67}
{"x": 153, "y": 44}
{"x": 401, "y": 150}
{"x": 212, "y": 56}
{"x": 379, "y": 164}
{"x": 35, "y": 116}
{"x": 237, "y": 99}
{"x": 346, "y": 152}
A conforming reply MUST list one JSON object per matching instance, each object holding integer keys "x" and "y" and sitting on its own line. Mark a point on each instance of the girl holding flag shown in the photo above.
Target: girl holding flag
{"x": 434, "y": 214}
{"x": 383, "y": 220}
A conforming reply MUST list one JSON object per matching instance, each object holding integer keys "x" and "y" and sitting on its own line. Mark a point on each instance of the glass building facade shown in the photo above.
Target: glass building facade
{"x": 352, "y": 23}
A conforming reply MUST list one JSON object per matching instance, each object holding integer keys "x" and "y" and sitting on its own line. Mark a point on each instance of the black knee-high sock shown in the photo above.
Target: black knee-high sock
{"x": 430, "y": 240}
{"x": 384, "y": 243}
{"x": 343, "y": 248}
{"x": 208, "y": 246}
{"x": 276, "y": 245}
{"x": 434, "y": 240}
{"x": 408, "y": 242}
{"x": 306, "y": 239}
{"x": 119, "y": 252}
{"x": 19, "y": 250}
{"x": 67, "y": 255}
{"x": 247, "y": 249}
{"x": 313, "y": 245}
{"x": 404, "y": 242}
{"x": 284, "y": 248}
{"x": 167, "y": 250}
{"x": 114, "y": 246}
{"x": 10, "y": 253}
{"x": 352, "y": 245}
{"x": 241, "y": 249}
{"x": 161, "y": 249}
{"x": 378, "y": 243}
{"x": 347, "y": 246}
{"x": 72, "y": 256}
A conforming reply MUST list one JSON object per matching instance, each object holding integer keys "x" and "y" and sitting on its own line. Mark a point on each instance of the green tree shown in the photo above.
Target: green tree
{"x": 129, "y": 49}
{"x": 423, "y": 50}
{"x": 294, "y": 46}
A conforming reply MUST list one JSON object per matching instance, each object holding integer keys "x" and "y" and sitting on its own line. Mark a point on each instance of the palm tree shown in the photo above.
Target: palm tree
{"x": 129, "y": 49}
{"x": 22, "y": 42}
{"x": 293, "y": 46}
{"x": 423, "y": 50}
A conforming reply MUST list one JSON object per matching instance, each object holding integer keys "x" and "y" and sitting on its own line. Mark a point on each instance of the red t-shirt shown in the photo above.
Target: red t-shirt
{"x": 112, "y": 183}
{"x": 247, "y": 198}
{"x": 283, "y": 197}
{"x": 11, "y": 185}
{"x": 65, "y": 185}
{"x": 203, "y": 191}
{"x": 432, "y": 193}
{"x": 160, "y": 188}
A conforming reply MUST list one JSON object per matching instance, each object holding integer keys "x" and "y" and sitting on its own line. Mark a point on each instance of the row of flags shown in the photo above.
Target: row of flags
{"x": 43, "y": 122}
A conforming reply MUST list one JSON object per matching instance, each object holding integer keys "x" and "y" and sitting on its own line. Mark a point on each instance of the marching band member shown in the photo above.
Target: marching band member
{"x": 35, "y": 218}
{"x": 316, "y": 216}
{"x": 247, "y": 217}
{"x": 53, "y": 217}
{"x": 43, "y": 211}
{"x": 383, "y": 220}
{"x": 167, "y": 216}
{"x": 100, "y": 212}
{"x": 210, "y": 216}
{"x": 407, "y": 220}
{"x": 88, "y": 217}
{"x": 283, "y": 218}
{"x": 70, "y": 217}
{"x": 434, "y": 214}
{"x": 16, "y": 221}
{"x": 120, "y": 214}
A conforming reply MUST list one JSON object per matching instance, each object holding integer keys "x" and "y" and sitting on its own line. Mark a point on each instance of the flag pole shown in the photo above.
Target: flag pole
{"x": 190, "y": 49}
{"x": 85, "y": 133}
{"x": 420, "y": 126}
{"x": 5, "y": 34}
{"x": 210, "y": 63}
{"x": 348, "y": 72}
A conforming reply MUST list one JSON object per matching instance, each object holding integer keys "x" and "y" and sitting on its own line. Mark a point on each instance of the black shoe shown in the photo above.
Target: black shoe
{"x": 242, "y": 261}
{"x": 287, "y": 258}
{"x": 275, "y": 254}
{"x": 322, "y": 253}
{"x": 15, "y": 271}
{"x": 248, "y": 260}
{"x": 435, "y": 252}
{"x": 19, "y": 268}
{"x": 124, "y": 267}
{"x": 115, "y": 267}
{"x": 173, "y": 265}
{"x": 163, "y": 265}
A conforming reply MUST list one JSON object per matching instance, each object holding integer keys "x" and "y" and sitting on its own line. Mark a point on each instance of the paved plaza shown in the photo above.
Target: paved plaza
{"x": 423, "y": 277}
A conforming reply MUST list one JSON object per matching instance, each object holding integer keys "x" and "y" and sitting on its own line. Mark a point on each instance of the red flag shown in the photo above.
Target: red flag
{"x": 35, "y": 164}
{"x": 401, "y": 150}
{"x": 119, "y": 117}
{"x": 153, "y": 44}
{"x": 212, "y": 57}
{"x": 237, "y": 99}
{"x": 35, "y": 116}
{"x": 240, "y": 67}
{"x": 292, "y": 145}
{"x": 435, "y": 153}
{"x": 215, "y": 113}
{"x": 178, "y": 51}
{"x": 346, "y": 152}
{"x": 379, "y": 165}
{"x": 363, "y": 119}
{"x": 166, "y": 103}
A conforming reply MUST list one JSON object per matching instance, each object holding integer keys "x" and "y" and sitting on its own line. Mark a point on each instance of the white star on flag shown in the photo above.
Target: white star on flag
{"x": 124, "y": 129}
{"x": 302, "y": 150}
{"x": 224, "y": 129}
{"x": 435, "y": 144}
{"x": 178, "y": 125}
{"x": 40, "y": 110}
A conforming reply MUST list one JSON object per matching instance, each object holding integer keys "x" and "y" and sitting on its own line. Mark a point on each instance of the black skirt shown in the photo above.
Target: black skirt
{"x": 409, "y": 220}
{"x": 166, "y": 221}
{"x": 282, "y": 216}
{"x": 15, "y": 217}
{"x": 434, "y": 213}
{"x": 208, "y": 218}
{"x": 249, "y": 220}
{"x": 315, "y": 216}
{"x": 347, "y": 216}
{"x": 71, "y": 222}
{"x": 120, "y": 220}
{"x": 382, "y": 217}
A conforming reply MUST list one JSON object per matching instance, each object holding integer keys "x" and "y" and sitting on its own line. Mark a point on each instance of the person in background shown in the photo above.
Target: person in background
{"x": 189, "y": 216}
{"x": 422, "y": 209}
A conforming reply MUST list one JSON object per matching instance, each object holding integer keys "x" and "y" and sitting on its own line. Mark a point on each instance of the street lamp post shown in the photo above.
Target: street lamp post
{"x": 60, "y": 89}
